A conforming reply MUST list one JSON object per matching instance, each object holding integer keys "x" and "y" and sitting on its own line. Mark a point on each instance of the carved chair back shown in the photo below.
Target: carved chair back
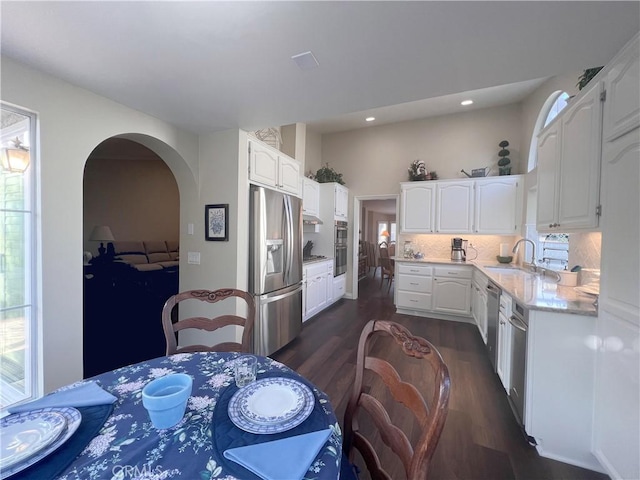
{"x": 171, "y": 328}
{"x": 429, "y": 416}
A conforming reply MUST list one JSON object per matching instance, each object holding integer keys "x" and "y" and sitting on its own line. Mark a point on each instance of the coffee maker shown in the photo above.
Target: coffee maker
{"x": 458, "y": 249}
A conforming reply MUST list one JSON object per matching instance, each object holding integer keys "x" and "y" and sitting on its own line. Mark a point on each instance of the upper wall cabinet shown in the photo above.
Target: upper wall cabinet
{"x": 498, "y": 205}
{"x": 417, "y": 207}
{"x": 623, "y": 86}
{"x": 569, "y": 153}
{"x": 454, "y": 207}
{"x": 334, "y": 198}
{"x": 490, "y": 205}
{"x": 310, "y": 197}
{"x": 272, "y": 168}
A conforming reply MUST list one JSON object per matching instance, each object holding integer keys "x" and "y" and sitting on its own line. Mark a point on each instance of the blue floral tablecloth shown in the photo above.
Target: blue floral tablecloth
{"x": 129, "y": 447}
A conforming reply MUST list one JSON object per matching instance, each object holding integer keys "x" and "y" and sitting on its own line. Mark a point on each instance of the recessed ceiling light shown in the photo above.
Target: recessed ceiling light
{"x": 370, "y": 119}
{"x": 466, "y": 102}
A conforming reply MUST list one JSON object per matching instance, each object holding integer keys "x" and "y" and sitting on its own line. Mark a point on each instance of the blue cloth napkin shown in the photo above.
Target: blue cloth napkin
{"x": 285, "y": 459}
{"x": 84, "y": 395}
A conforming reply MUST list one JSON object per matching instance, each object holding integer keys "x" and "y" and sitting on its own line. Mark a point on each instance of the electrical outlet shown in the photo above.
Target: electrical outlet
{"x": 193, "y": 258}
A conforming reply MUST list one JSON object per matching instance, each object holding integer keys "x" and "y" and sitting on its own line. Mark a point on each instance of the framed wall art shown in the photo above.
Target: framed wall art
{"x": 216, "y": 221}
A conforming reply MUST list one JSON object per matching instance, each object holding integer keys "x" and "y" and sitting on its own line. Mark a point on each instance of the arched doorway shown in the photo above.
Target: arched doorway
{"x": 130, "y": 189}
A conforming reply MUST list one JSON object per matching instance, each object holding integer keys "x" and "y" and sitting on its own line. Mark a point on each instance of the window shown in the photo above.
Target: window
{"x": 17, "y": 259}
{"x": 387, "y": 232}
{"x": 555, "y": 103}
{"x": 554, "y": 250}
{"x": 556, "y": 108}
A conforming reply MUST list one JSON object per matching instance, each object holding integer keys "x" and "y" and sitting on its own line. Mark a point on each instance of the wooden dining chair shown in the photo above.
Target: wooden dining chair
{"x": 364, "y": 405}
{"x": 171, "y": 328}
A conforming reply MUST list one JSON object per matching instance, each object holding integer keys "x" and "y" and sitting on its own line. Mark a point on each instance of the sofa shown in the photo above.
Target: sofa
{"x": 148, "y": 255}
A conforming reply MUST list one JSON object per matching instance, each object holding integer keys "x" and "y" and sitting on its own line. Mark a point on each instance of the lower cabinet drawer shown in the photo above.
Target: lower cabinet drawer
{"x": 414, "y": 283}
{"x": 421, "y": 301}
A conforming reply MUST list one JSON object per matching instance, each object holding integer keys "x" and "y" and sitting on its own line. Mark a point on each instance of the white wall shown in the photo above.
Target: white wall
{"x": 313, "y": 153}
{"x": 375, "y": 160}
{"x": 72, "y": 122}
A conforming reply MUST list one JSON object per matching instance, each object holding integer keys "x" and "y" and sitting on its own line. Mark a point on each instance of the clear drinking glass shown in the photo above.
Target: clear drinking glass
{"x": 245, "y": 370}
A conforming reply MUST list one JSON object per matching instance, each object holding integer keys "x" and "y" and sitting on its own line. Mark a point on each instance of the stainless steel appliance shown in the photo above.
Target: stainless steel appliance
{"x": 275, "y": 267}
{"x": 340, "y": 248}
{"x": 519, "y": 321}
{"x": 493, "y": 311}
{"x": 458, "y": 249}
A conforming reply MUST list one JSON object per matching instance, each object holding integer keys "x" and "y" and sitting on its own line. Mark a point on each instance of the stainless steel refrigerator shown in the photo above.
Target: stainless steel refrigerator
{"x": 275, "y": 267}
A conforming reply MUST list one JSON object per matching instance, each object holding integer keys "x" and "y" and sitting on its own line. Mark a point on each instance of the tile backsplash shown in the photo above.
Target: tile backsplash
{"x": 439, "y": 246}
{"x": 584, "y": 250}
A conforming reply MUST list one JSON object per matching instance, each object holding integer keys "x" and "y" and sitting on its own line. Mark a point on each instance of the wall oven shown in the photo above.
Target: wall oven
{"x": 340, "y": 241}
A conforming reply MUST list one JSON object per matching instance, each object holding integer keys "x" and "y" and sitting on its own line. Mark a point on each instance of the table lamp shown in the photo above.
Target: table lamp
{"x": 101, "y": 233}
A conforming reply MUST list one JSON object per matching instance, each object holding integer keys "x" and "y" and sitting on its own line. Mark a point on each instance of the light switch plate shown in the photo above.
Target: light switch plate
{"x": 193, "y": 258}
{"x": 190, "y": 229}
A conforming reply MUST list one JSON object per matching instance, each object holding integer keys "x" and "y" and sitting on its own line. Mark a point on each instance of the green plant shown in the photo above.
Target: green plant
{"x": 586, "y": 77}
{"x": 327, "y": 174}
{"x": 505, "y": 162}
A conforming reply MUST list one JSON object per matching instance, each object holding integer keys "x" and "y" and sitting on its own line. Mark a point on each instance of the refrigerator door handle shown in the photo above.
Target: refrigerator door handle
{"x": 289, "y": 240}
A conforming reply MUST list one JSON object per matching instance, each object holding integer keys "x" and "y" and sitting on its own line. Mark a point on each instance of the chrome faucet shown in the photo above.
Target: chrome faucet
{"x": 533, "y": 251}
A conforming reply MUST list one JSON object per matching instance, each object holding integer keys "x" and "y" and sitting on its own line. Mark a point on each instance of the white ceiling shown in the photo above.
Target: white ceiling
{"x": 208, "y": 66}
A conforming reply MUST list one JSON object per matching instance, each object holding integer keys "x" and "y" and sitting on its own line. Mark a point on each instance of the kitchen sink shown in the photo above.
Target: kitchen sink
{"x": 504, "y": 269}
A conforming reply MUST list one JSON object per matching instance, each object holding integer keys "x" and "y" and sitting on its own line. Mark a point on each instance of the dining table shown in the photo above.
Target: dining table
{"x": 127, "y": 445}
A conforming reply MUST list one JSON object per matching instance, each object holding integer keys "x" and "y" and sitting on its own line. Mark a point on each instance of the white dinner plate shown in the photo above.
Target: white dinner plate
{"x": 73, "y": 419}
{"x": 270, "y": 394}
{"x": 25, "y": 434}
{"x": 272, "y": 400}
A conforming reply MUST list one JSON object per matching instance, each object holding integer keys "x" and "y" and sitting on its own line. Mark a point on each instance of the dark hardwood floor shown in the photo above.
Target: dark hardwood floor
{"x": 480, "y": 440}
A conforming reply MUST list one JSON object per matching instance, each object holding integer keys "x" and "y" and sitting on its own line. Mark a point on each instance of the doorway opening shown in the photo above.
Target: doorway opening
{"x": 130, "y": 192}
{"x": 375, "y": 217}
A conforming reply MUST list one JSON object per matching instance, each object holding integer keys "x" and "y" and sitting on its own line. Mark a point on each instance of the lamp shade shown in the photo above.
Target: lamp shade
{"x": 15, "y": 159}
{"x": 101, "y": 233}
{"x": 385, "y": 233}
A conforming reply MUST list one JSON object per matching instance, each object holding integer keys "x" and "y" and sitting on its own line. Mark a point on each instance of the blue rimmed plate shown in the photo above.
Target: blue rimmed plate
{"x": 25, "y": 434}
{"x": 271, "y": 405}
{"x": 72, "y": 419}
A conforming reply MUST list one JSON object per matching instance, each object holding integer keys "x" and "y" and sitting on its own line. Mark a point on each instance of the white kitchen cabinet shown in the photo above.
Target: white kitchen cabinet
{"x": 498, "y": 202}
{"x": 417, "y": 207}
{"x": 569, "y": 155}
{"x": 548, "y": 159}
{"x": 339, "y": 287}
{"x": 317, "y": 290}
{"x": 622, "y": 84}
{"x": 454, "y": 207}
{"x": 310, "y": 197}
{"x": 503, "y": 363}
{"x": 617, "y": 391}
{"x": 452, "y": 290}
{"x": 616, "y": 436}
{"x": 558, "y": 407}
{"x": 272, "y": 168}
{"x": 479, "y": 307}
{"x": 489, "y": 205}
{"x": 413, "y": 286}
{"x": 334, "y": 199}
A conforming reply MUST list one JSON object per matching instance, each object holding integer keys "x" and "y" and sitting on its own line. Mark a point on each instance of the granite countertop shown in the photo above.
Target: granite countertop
{"x": 536, "y": 292}
{"x": 316, "y": 260}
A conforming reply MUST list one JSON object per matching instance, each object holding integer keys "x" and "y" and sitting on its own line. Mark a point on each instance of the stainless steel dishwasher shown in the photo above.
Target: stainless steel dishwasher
{"x": 519, "y": 321}
{"x": 493, "y": 311}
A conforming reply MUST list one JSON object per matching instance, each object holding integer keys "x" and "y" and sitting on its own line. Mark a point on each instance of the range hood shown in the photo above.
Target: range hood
{"x": 311, "y": 220}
